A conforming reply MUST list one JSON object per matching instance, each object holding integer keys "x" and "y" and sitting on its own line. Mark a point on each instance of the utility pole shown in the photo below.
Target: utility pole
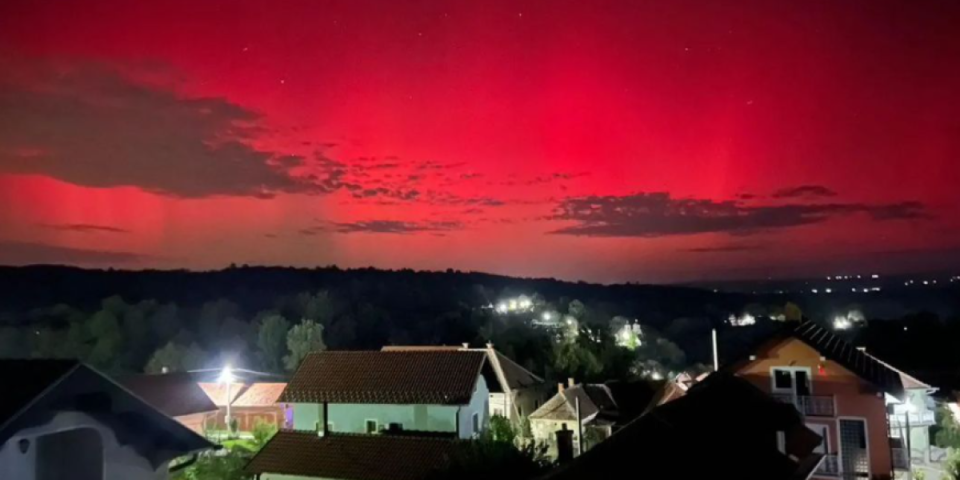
{"x": 716, "y": 358}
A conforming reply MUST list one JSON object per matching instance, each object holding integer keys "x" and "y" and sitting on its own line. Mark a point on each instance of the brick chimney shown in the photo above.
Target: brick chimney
{"x": 564, "y": 445}
{"x": 571, "y": 382}
{"x": 560, "y": 388}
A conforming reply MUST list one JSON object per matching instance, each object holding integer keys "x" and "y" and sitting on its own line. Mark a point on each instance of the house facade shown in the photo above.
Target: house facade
{"x": 250, "y": 403}
{"x": 61, "y": 419}
{"x": 843, "y": 394}
{"x": 515, "y": 392}
{"x": 369, "y": 392}
{"x": 598, "y": 415}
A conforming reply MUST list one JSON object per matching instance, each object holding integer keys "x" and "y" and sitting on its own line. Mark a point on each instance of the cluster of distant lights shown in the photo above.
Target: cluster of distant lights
{"x": 515, "y": 305}
{"x": 854, "y": 290}
{"x": 744, "y": 320}
{"x": 910, "y": 283}
{"x": 852, "y": 277}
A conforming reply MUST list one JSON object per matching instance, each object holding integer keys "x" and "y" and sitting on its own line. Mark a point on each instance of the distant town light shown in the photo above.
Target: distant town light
{"x": 874, "y": 276}
{"x": 501, "y": 307}
{"x": 829, "y": 290}
{"x": 814, "y": 290}
{"x": 546, "y": 316}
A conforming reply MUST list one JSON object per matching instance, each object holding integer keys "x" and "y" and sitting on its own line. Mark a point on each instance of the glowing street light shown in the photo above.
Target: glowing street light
{"x": 546, "y": 316}
{"x": 226, "y": 377}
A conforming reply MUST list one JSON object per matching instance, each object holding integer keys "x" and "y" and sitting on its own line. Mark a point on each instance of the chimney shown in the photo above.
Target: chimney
{"x": 489, "y": 346}
{"x": 560, "y": 388}
{"x": 571, "y": 382}
{"x": 564, "y": 445}
{"x": 465, "y": 345}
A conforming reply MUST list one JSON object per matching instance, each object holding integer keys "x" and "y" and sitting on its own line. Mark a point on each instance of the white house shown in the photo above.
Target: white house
{"x": 60, "y": 419}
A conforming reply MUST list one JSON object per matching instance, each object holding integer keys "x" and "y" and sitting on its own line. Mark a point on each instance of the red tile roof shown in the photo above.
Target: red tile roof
{"x": 244, "y": 395}
{"x": 353, "y": 456}
{"x": 428, "y": 377}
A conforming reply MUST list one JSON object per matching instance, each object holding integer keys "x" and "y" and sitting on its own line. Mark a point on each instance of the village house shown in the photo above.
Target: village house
{"x": 367, "y": 392}
{"x": 200, "y": 400}
{"x": 720, "y": 428}
{"x": 515, "y": 392}
{"x": 249, "y": 403}
{"x": 851, "y": 399}
{"x": 603, "y": 409}
{"x": 61, "y": 419}
{"x": 177, "y": 395}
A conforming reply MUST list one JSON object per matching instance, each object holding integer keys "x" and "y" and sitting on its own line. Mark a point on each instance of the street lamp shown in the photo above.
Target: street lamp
{"x": 226, "y": 377}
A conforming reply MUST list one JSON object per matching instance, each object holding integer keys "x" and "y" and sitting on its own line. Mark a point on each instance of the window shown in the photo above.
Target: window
{"x": 330, "y": 426}
{"x": 498, "y": 412}
{"x": 782, "y": 380}
{"x": 476, "y": 423}
{"x": 372, "y": 426}
{"x": 791, "y": 380}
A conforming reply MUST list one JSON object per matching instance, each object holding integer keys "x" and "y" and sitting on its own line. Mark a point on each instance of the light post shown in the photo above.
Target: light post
{"x": 226, "y": 377}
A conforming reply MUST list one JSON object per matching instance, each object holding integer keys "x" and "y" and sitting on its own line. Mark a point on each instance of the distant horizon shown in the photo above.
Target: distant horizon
{"x": 945, "y": 274}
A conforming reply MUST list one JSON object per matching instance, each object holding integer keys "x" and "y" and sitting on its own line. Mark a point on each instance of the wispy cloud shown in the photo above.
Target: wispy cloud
{"x": 385, "y": 226}
{"x": 33, "y": 253}
{"x": 727, "y": 248}
{"x": 805, "y": 191}
{"x": 86, "y": 228}
{"x": 658, "y": 215}
{"x": 95, "y": 126}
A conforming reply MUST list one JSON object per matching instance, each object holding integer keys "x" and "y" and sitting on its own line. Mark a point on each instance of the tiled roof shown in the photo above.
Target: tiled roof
{"x": 37, "y": 390}
{"x": 515, "y": 376}
{"x": 352, "y": 456}
{"x": 594, "y": 400}
{"x": 723, "y": 428}
{"x": 245, "y": 395}
{"x": 174, "y": 394}
{"x": 424, "y": 377}
{"x": 834, "y": 348}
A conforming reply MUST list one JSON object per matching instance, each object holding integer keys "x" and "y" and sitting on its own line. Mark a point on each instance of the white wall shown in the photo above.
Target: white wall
{"x": 120, "y": 462}
{"x": 352, "y": 417}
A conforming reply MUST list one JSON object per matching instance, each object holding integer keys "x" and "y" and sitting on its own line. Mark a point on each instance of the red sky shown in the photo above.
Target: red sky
{"x": 610, "y": 141}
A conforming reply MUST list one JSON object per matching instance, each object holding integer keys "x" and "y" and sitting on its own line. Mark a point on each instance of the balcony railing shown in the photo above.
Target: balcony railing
{"x": 829, "y": 467}
{"x": 809, "y": 405}
{"x": 917, "y": 419}
{"x": 901, "y": 461}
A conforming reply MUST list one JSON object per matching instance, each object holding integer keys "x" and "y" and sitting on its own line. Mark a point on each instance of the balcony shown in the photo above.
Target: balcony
{"x": 809, "y": 405}
{"x": 917, "y": 419}
{"x": 829, "y": 467}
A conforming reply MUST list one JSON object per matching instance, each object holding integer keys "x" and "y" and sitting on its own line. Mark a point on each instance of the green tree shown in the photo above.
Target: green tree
{"x": 792, "y": 312}
{"x": 487, "y": 457}
{"x": 217, "y": 467}
{"x": 947, "y": 431}
{"x": 502, "y": 430}
{"x": 272, "y": 341}
{"x": 262, "y": 433}
{"x": 302, "y": 339}
{"x": 108, "y": 340}
{"x": 176, "y": 358}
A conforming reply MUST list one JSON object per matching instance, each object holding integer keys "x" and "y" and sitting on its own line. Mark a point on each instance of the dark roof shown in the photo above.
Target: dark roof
{"x": 724, "y": 427}
{"x": 37, "y": 390}
{"x": 832, "y": 347}
{"x": 24, "y": 381}
{"x": 353, "y": 456}
{"x": 635, "y": 397}
{"x": 514, "y": 376}
{"x": 402, "y": 377}
{"x": 595, "y": 401}
{"x": 174, "y": 394}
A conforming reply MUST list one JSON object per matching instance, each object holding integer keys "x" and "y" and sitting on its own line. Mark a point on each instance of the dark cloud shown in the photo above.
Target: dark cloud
{"x": 30, "y": 253}
{"x": 385, "y": 226}
{"x": 658, "y": 215}
{"x": 727, "y": 249}
{"x": 94, "y": 126}
{"x": 87, "y": 228}
{"x": 808, "y": 191}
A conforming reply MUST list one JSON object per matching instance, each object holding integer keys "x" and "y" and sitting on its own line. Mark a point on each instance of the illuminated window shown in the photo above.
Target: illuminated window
{"x": 476, "y": 423}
